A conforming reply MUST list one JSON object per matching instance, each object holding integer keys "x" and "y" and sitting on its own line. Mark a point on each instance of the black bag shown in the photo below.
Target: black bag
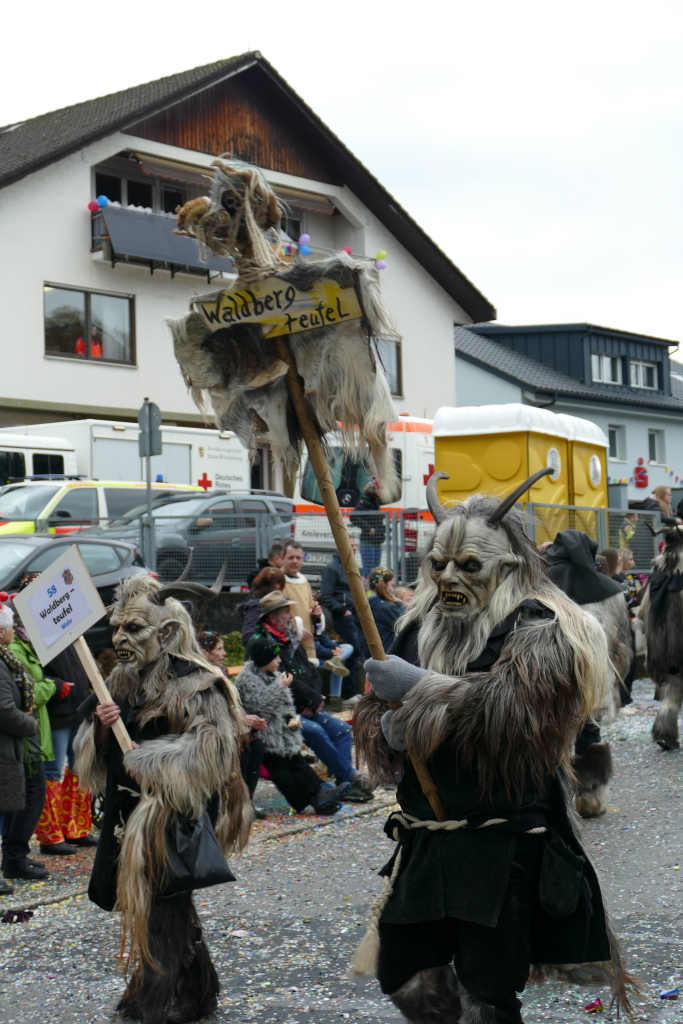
{"x": 196, "y": 860}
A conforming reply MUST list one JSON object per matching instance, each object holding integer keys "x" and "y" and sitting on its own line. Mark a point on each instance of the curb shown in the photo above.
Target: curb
{"x": 275, "y": 834}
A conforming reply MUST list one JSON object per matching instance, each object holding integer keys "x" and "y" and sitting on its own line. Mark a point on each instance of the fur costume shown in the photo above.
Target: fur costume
{"x": 660, "y": 615}
{"x": 572, "y": 568}
{"x": 510, "y": 670}
{"x": 185, "y": 716}
{"x": 236, "y": 371}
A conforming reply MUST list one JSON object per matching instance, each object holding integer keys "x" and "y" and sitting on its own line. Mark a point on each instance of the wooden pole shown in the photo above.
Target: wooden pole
{"x": 103, "y": 694}
{"x": 341, "y": 538}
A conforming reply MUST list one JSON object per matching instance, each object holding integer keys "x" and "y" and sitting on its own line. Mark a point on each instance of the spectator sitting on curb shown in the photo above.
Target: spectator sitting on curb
{"x": 335, "y": 594}
{"x": 385, "y": 606}
{"x": 328, "y": 737}
{"x": 298, "y": 590}
{"x": 251, "y": 756}
{"x": 333, "y": 655}
{"x": 267, "y": 580}
{"x": 276, "y": 554}
{"x": 17, "y": 724}
{"x": 267, "y": 695}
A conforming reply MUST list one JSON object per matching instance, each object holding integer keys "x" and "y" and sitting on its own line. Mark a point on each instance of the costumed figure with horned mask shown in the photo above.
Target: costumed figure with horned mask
{"x": 174, "y": 804}
{"x": 492, "y": 675}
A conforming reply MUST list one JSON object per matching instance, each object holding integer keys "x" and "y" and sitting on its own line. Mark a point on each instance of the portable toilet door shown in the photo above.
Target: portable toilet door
{"x": 588, "y": 462}
{"x": 494, "y": 448}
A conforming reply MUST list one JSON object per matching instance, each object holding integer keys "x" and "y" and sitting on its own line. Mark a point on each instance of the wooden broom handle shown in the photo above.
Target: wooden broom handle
{"x": 103, "y": 695}
{"x": 341, "y": 539}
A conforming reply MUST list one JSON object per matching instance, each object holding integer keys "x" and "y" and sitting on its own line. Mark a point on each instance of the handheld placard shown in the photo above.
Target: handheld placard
{"x": 56, "y": 609}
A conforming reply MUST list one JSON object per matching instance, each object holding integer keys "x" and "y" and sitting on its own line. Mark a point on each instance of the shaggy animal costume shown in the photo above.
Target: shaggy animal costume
{"x": 509, "y": 669}
{"x": 661, "y": 616}
{"x": 186, "y": 718}
{"x": 572, "y": 568}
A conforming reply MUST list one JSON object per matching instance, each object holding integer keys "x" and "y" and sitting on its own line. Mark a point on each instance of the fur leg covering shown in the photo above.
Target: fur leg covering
{"x": 430, "y": 997}
{"x": 594, "y": 770}
{"x": 185, "y": 987}
{"x": 474, "y": 1011}
{"x": 665, "y": 725}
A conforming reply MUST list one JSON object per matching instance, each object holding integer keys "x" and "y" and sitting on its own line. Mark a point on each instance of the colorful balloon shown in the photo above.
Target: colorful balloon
{"x": 102, "y": 201}
{"x": 304, "y": 239}
{"x": 304, "y": 250}
{"x": 93, "y": 206}
{"x": 381, "y": 255}
{"x": 347, "y": 249}
{"x": 380, "y": 264}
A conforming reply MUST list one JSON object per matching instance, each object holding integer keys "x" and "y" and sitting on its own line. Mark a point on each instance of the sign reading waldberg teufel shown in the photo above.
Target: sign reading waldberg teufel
{"x": 59, "y": 605}
{"x": 279, "y": 307}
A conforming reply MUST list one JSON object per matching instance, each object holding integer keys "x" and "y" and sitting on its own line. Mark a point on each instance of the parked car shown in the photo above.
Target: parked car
{"x": 108, "y": 562}
{"x": 65, "y": 504}
{"x": 216, "y": 524}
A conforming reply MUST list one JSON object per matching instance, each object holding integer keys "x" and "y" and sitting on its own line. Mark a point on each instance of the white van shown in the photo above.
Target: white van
{"x": 108, "y": 450}
{"x": 37, "y": 455}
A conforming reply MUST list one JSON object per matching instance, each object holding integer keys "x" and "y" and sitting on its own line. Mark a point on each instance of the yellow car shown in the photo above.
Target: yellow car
{"x": 64, "y": 505}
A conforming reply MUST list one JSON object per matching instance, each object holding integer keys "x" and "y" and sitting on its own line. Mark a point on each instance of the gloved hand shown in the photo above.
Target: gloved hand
{"x": 392, "y": 679}
{"x": 66, "y": 690}
{"x": 392, "y": 734}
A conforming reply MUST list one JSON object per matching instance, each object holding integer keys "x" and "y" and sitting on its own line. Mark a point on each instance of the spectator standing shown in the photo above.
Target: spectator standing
{"x": 335, "y": 595}
{"x": 66, "y": 818}
{"x": 660, "y": 501}
{"x": 330, "y": 738}
{"x": 17, "y": 727}
{"x": 385, "y": 606}
{"x": 627, "y": 529}
{"x": 298, "y": 590}
{"x": 251, "y": 756}
{"x": 276, "y": 554}
{"x": 266, "y": 693}
{"x": 18, "y": 825}
{"x": 267, "y": 580}
{"x": 372, "y": 526}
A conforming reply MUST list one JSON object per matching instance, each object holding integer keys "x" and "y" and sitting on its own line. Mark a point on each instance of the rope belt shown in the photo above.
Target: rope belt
{"x": 365, "y": 959}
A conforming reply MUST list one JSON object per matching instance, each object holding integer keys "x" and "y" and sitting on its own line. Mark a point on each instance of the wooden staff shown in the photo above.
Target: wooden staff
{"x": 100, "y": 688}
{"x": 328, "y": 494}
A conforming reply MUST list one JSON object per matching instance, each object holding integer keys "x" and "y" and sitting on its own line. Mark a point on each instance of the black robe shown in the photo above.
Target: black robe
{"x": 464, "y": 873}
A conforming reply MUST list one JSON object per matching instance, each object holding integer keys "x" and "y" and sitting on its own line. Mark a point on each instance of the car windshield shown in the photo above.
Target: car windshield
{"x": 170, "y": 510}
{"x": 24, "y": 502}
{"x": 11, "y": 555}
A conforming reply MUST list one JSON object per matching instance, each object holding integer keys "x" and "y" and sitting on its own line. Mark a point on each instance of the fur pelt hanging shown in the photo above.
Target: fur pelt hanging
{"x": 235, "y": 371}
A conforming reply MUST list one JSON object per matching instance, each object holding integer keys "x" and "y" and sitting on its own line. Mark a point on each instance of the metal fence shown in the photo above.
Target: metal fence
{"x": 398, "y": 540}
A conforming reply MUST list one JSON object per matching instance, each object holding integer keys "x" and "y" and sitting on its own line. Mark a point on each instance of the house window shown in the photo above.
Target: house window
{"x": 617, "y": 443}
{"x": 389, "y": 352}
{"x": 172, "y": 196}
{"x": 126, "y": 191}
{"x": 605, "y": 369}
{"x": 643, "y": 375}
{"x": 655, "y": 445}
{"x": 88, "y": 325}
{"x": 293, "y": 227}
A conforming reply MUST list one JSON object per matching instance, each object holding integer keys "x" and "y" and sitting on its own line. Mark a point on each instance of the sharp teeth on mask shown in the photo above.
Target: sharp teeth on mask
{"x": 454, "y": 597}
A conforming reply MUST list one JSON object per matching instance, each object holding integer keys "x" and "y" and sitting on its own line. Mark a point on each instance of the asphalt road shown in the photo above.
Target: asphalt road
{"x": 282, "y": 936}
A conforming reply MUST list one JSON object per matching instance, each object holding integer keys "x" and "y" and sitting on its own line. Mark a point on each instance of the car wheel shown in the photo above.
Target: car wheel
{"x": 169, "y": 569}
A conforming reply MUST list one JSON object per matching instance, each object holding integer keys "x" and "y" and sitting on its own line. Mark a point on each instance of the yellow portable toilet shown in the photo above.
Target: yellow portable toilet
{"x": 495, "y": 447}
{"x": 587, "y": 462}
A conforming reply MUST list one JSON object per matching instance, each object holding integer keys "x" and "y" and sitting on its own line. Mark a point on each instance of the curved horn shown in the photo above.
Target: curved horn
{"x": 433, "y": 503}
{"x": 507, "y": 503}
{"x": 662, "y": 529}
{"x": 180, "y": 586}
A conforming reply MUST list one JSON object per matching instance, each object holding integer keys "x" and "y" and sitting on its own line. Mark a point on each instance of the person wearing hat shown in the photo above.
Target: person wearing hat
{"x": 328, "y": 737}
{"x": 267, "y": 693}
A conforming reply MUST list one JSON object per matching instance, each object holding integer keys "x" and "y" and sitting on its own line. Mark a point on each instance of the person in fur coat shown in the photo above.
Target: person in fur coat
{"x": 571, "y": 560}
{"x": 186, "y": 724}
{"x": 490, "y": 680}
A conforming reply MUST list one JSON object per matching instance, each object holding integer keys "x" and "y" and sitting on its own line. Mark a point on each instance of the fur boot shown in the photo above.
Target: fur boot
{"x": 665, "y": 725}
{"x": 186, "y": 986}
{"x": 430, "y": 997}
{"x": 594, "y": 770}
{"x": 474, "y": 1011}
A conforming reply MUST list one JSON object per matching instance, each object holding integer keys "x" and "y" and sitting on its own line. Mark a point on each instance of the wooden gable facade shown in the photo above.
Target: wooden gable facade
{"x": 245, "y": 115}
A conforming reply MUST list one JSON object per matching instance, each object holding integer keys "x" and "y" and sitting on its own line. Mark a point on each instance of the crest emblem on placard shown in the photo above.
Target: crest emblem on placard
{"x": 68, "y": 577}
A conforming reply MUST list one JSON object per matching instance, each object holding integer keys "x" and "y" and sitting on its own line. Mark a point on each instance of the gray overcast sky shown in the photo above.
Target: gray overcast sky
{"x": 538, "y": 143}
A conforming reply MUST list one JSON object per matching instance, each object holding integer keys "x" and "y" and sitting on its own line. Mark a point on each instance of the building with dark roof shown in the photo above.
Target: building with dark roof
{"x": 627, "y": 383}
{"x": 85, "y": 294}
